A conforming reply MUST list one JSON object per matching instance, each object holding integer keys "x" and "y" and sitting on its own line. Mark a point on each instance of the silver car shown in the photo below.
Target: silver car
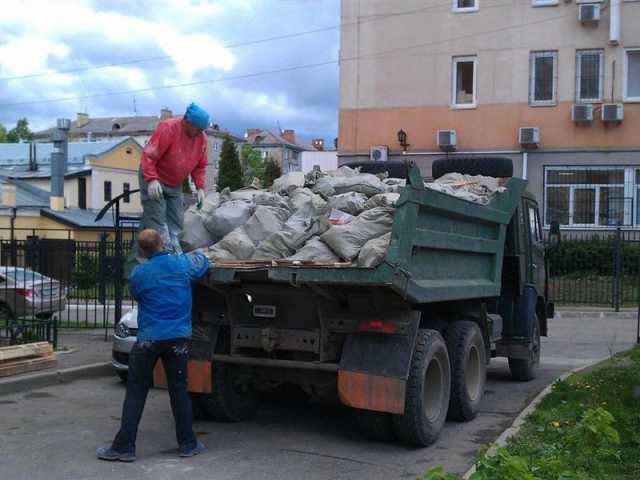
{"x": 25, "y": 293}
{"x": 123, "y": 339}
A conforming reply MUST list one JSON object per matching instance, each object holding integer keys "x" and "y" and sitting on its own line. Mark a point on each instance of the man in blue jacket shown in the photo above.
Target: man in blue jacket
{"x": 162, "y": 288}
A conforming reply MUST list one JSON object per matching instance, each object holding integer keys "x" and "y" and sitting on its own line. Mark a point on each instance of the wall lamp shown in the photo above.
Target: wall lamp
{"x": 402, "y": 140}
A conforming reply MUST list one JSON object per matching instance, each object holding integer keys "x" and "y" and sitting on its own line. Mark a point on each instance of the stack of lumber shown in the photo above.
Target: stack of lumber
{"x": 26, "y": 358}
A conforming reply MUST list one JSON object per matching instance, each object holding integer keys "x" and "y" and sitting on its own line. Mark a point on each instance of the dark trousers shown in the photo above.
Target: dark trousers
{"x": 143, "y": 357}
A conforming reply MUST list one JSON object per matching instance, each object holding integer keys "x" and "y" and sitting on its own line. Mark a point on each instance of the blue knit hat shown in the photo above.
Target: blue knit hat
{"x": 197, "y": 116}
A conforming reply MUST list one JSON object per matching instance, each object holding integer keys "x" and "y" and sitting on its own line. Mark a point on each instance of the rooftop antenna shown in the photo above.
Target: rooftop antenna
{"x": 279, "y": 127}
{"x": 135, "y": 111}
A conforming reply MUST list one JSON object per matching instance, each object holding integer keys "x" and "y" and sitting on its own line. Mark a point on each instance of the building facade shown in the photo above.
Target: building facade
{"x": 282, "y": 148}
{"x": 568, "y": 72}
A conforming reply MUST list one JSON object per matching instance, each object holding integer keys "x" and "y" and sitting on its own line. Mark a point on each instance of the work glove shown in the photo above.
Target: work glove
{"x": 200, "y": 198}
{"x": 155, "y": 190}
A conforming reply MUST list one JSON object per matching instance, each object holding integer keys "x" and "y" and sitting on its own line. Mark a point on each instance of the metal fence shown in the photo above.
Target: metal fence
{"x": 596, "y": 268}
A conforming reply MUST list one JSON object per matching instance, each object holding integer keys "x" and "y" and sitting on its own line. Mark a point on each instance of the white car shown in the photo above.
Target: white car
{"x": 123, "y": 339}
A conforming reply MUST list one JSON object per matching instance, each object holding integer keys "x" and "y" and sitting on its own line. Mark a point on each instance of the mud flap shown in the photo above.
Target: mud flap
{"x": 374, "y": 368}
{"x": 199, "y": 378}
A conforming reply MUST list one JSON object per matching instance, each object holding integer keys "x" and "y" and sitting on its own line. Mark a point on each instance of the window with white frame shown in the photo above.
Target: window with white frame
{"x": 589, "y": 75}
{"x": 464, "y": 82}
{"x": 466, "y": 5}
{"x": 591, "y": 196}
{"x": 543, "y": 82}
{"x": 632, "y": 75}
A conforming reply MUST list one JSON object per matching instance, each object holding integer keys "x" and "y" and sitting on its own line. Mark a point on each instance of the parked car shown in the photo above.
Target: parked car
{"x": 123, "y": 339}
{"x": 26, "y": 293}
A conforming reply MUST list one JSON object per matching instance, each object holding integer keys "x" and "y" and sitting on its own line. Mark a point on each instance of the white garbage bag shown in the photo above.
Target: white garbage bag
{"x": 271, "y": 200}
{"x": 382, "y": 200}
{"x": 264, "y": 222}
{"x": 373, "y": 252}
{"x": 299, "y": 197}
{"x": 365, "y": 183}
{"x": 394, "y": 185}
{"x": 315, "y": 250}
{"x": 227, "y": 217}
{"x": 210, "y": 203}
{"x": 287, "y": 182}
{"x": 194, "y": 234}
{"x": 235, "y": 245}
{"x": 295, "y": 232}
{"x": 246, "y": 193}
{"x": 347, "y": 240}
{"x": 352, "y": 202}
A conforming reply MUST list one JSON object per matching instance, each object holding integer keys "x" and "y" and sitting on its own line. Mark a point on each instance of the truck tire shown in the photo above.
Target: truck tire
{"x": 233, "y": 398}
{"x": 489, "y": 166}
{"x": 525, "y": 369}
{"x": 427, "y": 392}
{"x": 377, "y": 426}
{"x": 468, "y": 358}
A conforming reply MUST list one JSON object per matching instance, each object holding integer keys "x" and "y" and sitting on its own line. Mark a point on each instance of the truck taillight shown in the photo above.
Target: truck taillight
{"x": 25, "y": 292}
{"x": 377, "y": 326}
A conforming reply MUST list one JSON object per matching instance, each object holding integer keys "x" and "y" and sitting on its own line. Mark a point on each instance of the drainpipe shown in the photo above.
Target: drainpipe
{"x": 614, "y": 22}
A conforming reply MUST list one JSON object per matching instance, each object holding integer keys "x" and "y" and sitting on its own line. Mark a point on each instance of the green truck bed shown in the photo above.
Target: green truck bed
{"x": 442, "y": 248}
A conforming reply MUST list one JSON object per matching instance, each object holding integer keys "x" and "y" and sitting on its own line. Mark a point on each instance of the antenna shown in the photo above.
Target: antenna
{"x": 135, "y": 112}
{"x": 279, "y": 127}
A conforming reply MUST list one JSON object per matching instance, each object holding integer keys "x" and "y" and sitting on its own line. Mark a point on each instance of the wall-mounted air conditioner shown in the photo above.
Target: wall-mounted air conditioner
{"x": 612, "y": 112}
{"x": 446, "y": 139}
{"x": 529, "y": 136}
{"x": 582, "y": 113}
{"x": 379, "y": 153}
{"x": 589, "y": 12}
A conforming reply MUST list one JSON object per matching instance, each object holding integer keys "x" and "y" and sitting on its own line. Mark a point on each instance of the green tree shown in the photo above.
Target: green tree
{"x": 272, "y": 171}
{"x": 252, "y": 164}
{"x": 3, "y": 134}
{"x": 20, "y": 132}
{"x": 230, "y": 171}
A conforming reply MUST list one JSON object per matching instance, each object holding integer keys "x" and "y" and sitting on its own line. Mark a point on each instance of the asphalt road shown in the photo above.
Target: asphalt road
{"x": 52, "y": 433}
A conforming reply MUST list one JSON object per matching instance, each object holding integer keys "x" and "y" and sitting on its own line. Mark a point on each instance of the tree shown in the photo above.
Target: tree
{"x": 20, "y": 132}
{"x": 3, "y": 134}
{"x": 252, "y": 164}
{"x": 271, "y": 171}
{"x": 230, "y": 172}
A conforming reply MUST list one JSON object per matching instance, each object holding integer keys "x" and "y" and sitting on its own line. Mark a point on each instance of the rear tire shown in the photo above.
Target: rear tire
{"x": 488, "y": 166}
{"x": 468, "y": 369}
{"x": 377, "y": 426}
{"x": 526, "y": 369}
{"x": 233, "y": 398}
{"x": 427, "y": 393}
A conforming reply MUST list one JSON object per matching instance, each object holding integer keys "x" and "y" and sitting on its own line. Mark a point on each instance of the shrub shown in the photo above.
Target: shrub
{"x": 230, "y": 173}
{"x": 271, "y": 171}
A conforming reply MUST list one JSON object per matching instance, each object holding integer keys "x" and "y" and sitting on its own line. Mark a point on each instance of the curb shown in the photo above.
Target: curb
{"x": 54, "y": 377}
{"x": 519, "y": 421}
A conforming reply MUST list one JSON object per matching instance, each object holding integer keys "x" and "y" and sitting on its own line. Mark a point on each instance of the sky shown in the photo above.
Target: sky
{"x": 197, "y": 41}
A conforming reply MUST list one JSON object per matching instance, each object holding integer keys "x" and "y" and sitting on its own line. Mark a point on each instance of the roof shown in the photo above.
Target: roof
{"x": 26, "y": 195}
{"x": 17, "y": 154}
{"x": 113, "y": 126}
{"x": 223, "y": 133}
{"x": 78, "y": 218}
{"x": 266, "y": 138}
{"x": 45, "y": 173}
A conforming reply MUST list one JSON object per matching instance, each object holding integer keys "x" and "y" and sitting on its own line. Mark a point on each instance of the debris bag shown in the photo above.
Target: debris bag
{"x": 352, "y": 202}
{"x": 347, "y": 240}
{"x": 295, "y": 232}
{"x": 287, "y": 182}
{"x": 324, "y": 187}
{"x": 473, "y": 188}
{"x": 227, "y": 217}
{"x": 194, "y": 234}
{"x": 382, "y": 200}
{"x": 246, "y": 193}
{"x": 235, "y": 245}
{"x": 345, "y": 171}
{"x": 210, "y": 203}
{"x": 271, "y": 200}
{"x": 373, "y": 252}
{"x": 338, "y": 217}
{"x": 265, "y": 221}
{"x": 366, "y": 183}
{"x": 299, "y": 197}
{"x": 394, "y": 185}
{"x": 315, "y": 250}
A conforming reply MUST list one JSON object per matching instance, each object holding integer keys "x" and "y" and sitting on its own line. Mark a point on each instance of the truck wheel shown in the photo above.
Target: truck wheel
{"x": 377, "y": 426}
{"x": 468, "y": 369}
{"x": 525, "y": 369}
{"x": 489, "y": 166}
{"x": 427, "y": 394}
{"x": 233, "y": 398}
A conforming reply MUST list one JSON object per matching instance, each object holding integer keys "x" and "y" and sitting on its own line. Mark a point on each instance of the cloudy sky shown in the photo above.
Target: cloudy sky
{"x": 162, "y": 43}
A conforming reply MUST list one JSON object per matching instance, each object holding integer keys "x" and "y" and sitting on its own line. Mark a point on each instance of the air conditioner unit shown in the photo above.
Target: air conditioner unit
{"x": 612, "y": 112}
{"x": 379, "y": 153}
{"x": 447, "y": 139}
{"x": 529, "y": 136}
{"x": 582, "y": 113}
{"x": 589, "y": 13}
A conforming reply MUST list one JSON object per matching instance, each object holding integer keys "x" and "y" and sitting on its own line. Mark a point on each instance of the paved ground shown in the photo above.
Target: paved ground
{"x": 52, "y": 433}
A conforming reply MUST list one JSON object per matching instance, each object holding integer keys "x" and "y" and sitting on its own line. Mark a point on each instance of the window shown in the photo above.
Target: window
{"x": 591, "y": 196}
{"x": 125, "y": 189}
{"x": 265, "y": 154}
{"x": 534, "y": 226}
{"x": 107, "y": 191}
{"x": 589, "y": 75}
{"x": 632, "y": 75}
{"x": 464, "y": 82}
{"x": 82, "y": 193}
{"x": 465, "y": 5}
{"x": 543, "y": 67}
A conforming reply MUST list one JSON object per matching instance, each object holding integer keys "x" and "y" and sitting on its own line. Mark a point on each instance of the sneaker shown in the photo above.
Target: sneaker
{"x": 191, "y": 451}
{"x": 108, "y": 453}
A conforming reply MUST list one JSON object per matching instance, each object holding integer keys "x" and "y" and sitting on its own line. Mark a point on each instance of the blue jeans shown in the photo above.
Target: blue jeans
{"x": 143, "y": 357}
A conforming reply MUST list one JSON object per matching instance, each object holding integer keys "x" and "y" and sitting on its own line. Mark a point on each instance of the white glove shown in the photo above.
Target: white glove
{"x": 154, "y": 190}
{"x": 200, "y": 198}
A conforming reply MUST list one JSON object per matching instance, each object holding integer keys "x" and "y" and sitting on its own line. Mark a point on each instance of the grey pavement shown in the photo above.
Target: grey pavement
{"x": 52, "y": 433}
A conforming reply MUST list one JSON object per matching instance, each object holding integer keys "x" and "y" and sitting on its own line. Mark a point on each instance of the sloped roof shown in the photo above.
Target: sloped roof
{"x": 116, "y": 126}
{"x": 268, "y": 138}
{"x": 78, "y": 218}
{"x": 17, "y": 154}
{"x": 26, "y": 195}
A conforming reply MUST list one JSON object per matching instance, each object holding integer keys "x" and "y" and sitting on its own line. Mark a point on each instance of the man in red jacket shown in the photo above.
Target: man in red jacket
{"x": 177, "y": 149}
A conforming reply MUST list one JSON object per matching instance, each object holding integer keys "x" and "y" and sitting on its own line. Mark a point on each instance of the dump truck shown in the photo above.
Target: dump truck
{"x": 405, "y": 344}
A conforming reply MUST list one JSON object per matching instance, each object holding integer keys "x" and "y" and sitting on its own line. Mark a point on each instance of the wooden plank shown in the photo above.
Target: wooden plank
{"x": 27, "y": 350}
{"x": 23, "y": 366}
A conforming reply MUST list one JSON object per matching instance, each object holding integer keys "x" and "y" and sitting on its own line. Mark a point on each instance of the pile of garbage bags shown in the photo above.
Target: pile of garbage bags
{"x": 341, "y": 216}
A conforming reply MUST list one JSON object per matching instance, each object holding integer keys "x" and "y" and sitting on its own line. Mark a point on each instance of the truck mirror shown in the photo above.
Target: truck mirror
{"x": 554, "y": 234}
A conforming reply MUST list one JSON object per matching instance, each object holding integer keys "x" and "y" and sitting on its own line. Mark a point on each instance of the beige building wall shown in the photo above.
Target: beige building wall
{"x": 117, "y": 178}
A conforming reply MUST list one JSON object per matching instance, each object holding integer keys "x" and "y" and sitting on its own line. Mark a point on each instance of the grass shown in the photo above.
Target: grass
{"x": 587, "y": 428}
